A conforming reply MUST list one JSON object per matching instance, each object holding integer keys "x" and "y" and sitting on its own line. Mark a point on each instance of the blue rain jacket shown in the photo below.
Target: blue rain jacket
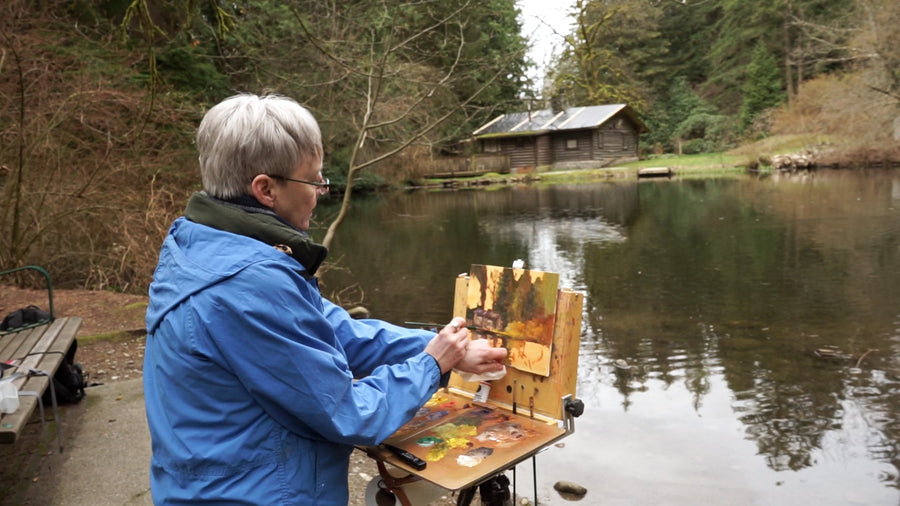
{"x": 248, "y": 376}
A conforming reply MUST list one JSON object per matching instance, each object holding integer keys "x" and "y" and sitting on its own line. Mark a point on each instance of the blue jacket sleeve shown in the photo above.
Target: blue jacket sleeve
{"x": 369, "y": 343}
{"x": 288, "y": 351}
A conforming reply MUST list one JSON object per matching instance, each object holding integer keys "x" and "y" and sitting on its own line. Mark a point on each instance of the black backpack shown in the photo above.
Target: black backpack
{"x": 68, "y": 381}
{"x": 25, "y": 316}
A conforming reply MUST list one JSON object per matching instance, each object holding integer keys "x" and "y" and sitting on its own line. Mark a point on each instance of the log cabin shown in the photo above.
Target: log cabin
{"x": 559, "y": 139}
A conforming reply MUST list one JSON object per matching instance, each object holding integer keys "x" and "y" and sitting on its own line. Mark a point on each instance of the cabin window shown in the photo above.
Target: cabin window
{"x": 571, "y": 143}
{"x": 491, "y": 146}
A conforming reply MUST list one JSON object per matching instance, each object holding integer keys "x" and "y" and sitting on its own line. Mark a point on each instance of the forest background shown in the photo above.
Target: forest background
{"x": 100, "y": 99}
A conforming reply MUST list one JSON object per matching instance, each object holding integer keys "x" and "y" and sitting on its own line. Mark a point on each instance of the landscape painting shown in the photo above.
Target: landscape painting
{"x": 516, "y": 309}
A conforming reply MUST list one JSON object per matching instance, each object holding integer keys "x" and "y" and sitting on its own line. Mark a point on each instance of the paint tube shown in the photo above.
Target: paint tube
{"x": 484, "y": 390}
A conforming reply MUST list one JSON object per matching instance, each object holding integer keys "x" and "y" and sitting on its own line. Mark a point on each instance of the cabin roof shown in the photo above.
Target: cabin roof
{"x": 545, "y": 120}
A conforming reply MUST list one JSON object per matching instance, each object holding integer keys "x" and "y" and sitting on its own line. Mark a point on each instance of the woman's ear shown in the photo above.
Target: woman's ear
{"x": 263, "y": 190}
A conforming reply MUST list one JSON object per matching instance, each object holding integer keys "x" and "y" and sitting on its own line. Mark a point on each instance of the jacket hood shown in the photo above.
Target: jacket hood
{"x": 251, "y": 219}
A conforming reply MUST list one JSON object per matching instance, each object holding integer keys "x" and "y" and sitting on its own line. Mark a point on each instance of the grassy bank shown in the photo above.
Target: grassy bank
{"x": 731, "y": 162}
{"x": 706, "y": 165}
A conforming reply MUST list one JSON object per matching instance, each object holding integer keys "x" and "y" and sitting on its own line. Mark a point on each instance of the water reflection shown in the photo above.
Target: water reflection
{"x": 705, "y": 303}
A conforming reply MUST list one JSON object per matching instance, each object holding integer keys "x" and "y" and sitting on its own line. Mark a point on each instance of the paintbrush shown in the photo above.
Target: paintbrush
{"x": 481, "y": 330}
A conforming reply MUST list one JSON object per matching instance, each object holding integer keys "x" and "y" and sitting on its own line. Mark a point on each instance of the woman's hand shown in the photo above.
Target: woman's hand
{"x": 448, "y": 347}
{"x": 481, "y": 358}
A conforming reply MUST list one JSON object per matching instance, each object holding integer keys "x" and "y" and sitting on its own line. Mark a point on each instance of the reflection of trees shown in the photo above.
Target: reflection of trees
{"x": 656, "y": 348}
{"x": 873, "y": 396}
{"x": 406, "y": 250}
{"x": 786, "y": 399}
{"x": 749, "y": 279}
{"x": 700, "y": 279}
{"x": 786, "y": 423}
{"x": 627, "y": 382}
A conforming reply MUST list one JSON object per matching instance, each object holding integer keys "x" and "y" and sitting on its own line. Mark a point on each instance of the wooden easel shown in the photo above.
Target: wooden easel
{"x": 542, "y": 407}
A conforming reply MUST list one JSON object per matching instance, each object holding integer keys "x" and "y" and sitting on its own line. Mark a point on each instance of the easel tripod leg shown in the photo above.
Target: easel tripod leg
{"x": 466, "y": 495}
{"x": 493, "y": 492}
{"x": 395, "y": 485}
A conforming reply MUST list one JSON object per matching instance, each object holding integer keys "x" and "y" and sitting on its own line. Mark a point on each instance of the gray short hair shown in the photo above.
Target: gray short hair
{"x": 246, "y": 135}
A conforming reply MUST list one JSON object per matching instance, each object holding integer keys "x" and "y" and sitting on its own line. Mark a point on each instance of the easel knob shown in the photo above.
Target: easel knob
{"x": 574, "y": 407}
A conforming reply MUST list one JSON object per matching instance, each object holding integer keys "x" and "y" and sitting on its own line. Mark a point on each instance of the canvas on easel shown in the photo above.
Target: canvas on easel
{"x": 464, "y": 441}
{"x": 514, "y": 308}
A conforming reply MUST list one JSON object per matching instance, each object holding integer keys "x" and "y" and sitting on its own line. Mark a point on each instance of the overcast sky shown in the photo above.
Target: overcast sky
{"x": 536, "y": 16}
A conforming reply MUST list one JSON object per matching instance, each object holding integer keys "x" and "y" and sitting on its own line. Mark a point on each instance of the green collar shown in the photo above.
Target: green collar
{"x": 258, "y": 223}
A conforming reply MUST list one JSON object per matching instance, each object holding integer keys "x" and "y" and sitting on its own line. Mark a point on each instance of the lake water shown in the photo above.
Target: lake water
{"x": 759, "y": 318}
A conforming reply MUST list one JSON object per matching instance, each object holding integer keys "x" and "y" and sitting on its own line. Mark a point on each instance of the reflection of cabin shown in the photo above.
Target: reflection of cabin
{"x": 577, "y": 137}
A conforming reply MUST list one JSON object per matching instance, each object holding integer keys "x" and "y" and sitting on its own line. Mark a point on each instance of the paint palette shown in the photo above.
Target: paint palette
{"x": 463, "y": 442}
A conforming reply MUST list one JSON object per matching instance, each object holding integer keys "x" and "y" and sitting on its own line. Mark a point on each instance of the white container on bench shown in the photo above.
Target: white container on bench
{"x": 9, "y": 397}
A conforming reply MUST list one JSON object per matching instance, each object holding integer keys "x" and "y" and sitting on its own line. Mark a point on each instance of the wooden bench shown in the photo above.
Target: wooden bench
{"x": 37, "y": 353}
{"x": 31, "y": 354}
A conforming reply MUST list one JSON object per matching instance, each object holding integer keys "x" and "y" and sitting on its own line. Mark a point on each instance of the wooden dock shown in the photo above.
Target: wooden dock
{"x": 655, "y": 172}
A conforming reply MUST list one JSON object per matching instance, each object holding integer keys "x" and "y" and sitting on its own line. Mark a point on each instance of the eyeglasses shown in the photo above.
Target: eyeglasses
{"x": 321, "y": 185}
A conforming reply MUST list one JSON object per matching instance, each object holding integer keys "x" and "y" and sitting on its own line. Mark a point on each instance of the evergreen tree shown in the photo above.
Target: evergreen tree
{"x": 740, "y": 27}
{"x": 762, "y": 88}
{"x": 613, "y": 55}
{"x": 685, "y": 123}
{"x": 689, "y": 30}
